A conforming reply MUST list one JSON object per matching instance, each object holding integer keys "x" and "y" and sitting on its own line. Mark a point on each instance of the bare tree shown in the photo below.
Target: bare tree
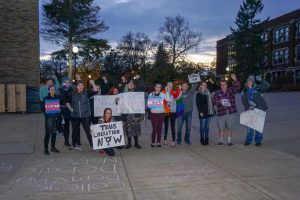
{"x": 178, "y": 37}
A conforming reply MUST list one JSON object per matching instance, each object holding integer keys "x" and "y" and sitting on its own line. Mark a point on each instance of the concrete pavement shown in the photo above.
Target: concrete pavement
{"x": 184, "y": 172}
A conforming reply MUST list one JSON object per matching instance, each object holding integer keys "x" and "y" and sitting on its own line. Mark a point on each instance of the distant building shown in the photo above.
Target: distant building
{"x": 19, "y": 42}
{"x": 282, "y": 43}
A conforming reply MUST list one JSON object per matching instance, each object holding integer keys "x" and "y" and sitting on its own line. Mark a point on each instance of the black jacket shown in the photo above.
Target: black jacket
{"x": 202, "y": 105}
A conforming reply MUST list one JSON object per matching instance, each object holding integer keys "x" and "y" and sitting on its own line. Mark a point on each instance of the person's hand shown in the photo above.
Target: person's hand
{"x": 92, "y": 82}
{"x": 117, "y": 99}
{"x": 211, "y": 80}
{"x": 201, "y": 114}
{"x": 167, "y": 89}
{"x": 77, "y": 76}
{"x": 233, "y": 76}
{"x": 180, "y": 87}
{"x": 123, "y": 79}
{"x": 71, "y": 110}
{"x": 137, "y": 76}
{"x": 53, "y": 76}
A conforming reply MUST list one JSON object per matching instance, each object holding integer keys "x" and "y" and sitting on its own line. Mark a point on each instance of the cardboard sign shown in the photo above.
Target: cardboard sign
{"x": 132, "y": 103}
{"x": 107, "y": 135}
{"x": 52, "y": 106}
{"x": 194, "y": 78}
{"x": 105, "y": 101}
{"x": 155, "y": 102}
{"x": 254, "y": 119}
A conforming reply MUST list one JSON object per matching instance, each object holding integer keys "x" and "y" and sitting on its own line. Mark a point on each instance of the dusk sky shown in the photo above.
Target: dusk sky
{"x": 212, "y": 18}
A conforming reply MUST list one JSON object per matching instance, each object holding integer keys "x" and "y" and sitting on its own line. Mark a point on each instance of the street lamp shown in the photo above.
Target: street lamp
{"x": 90, "y": 76}
{"x": 227, "y": 69}
{"x": 75, "y": 51}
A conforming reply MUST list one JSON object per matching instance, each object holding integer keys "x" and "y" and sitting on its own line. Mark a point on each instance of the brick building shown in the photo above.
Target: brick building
{"x": 19, "y": 42}
{"x": 282, "y": 44}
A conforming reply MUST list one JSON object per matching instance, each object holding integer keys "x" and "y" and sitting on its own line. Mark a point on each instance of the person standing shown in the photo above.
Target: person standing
{"x": 157, "y": 115}
{"x": 170, "y": 110}
{"x": 252, "y": 98}
{"x": 206, "y": 111}
{"x": 51, "y": 109}
{"x": 185, "y": 111}
{"x": 224, "y": 100}
{"x": 79, "y": 106}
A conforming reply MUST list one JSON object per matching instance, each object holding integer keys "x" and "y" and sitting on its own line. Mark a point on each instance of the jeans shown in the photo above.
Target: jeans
{"x": 86, "y": 124}
{"x": 50, "y": 131}
{"x": 172, "y": 118}
{"x": 66, "y": 128}
{"x": 187, "y": 118}
{"x": 250, "y": 134}
{"x": 157, "y": 120}
{"x": 204, "y": 127}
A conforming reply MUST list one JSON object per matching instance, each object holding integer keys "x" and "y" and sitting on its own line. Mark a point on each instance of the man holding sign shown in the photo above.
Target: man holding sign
{"x": 224, "y": 100}
{"x": 51, "y": 109}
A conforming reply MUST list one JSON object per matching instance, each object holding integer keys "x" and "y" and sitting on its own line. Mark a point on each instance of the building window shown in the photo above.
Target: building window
{"x": 264, "y": 60}
{"x": 298, "y": 29}
{"x": 264, "y": 37}
{"x": 280, "y": 56}
{"x": 231, "y": 51}
{"x": 298, "y": 53}
{"x": 281, "y": 34}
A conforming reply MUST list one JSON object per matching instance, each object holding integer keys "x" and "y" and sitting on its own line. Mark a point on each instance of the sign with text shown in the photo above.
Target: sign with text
{"x": 254, "y": 119}
{"x": 194, "y": 78}
{"x": 155, "y": 102}
{"x": 107, "y": 135}
{"x": 132, "y": 103}
{"x": 52, "y": 106}
{"x": 105, "y": 101}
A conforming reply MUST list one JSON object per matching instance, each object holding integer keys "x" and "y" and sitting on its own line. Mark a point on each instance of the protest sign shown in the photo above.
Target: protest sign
{"x": 52, "y": 106}
{"x": 132, "y": 102}
{"x": 105, "y": 101}
{"x": 194, "y": 78}
{"x": 254, "y": 119}
{"x": 107, "y": 135}
{"x": 155, "y": 102}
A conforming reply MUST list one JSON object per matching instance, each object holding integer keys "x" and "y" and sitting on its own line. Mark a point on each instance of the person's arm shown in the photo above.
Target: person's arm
{"x": 216, "y": 100}
{"x": 264, "y": 86}
{"x": 244, "y": 101}
{"x": 69, "y": 107}
{"x": 198, "y": 102}
{"x": 57, "y": 84}
{"x": 43, "y": 105}
{"x": 41, "y": 94}
{"x": 236, "y": 84}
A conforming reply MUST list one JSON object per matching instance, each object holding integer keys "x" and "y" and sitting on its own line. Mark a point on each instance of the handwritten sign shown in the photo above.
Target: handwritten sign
{"x": 254, "y": 119}
{"x": 155, "y": 102}
{"x": 107, "y": 135}
{"x": 194, "y": 78}
{"x": 132, "y": 102}
{"x": 105, "y": 101}
{"x": 52, "y": 106}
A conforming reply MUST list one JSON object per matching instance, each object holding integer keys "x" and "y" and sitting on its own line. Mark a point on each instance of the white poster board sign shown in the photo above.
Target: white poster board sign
{"x": 105, "y": 101}
{"x": 194, "y": 78}
{"x": 107, "y": 135}
{"x": 132, "y": 103}
{"x": 254, "y": 119}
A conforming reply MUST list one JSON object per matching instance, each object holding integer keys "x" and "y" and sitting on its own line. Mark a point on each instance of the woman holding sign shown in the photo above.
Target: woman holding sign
{"x": 155, "y": 103}
{"x": 51, "y": 109}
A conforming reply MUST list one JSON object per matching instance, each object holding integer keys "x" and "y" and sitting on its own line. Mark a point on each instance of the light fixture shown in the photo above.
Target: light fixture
{"x": 75, "y": 49}
{"x": 90, "y": 76}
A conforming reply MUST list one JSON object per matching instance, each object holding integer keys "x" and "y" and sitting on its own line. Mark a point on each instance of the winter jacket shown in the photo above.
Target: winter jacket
{"x": 202, "y": 103}
{"x": 252, "y": 98}
{"x": 49, "y": 97}
{"x": 80, "y": 104}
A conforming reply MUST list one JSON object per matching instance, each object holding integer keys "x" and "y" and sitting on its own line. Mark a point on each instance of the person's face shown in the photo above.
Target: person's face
{"x": 98, "y": 89}
{"x": 108, "y": 113}
{"x": 115, "y": 91}
{"x": 249, "y": 84}
{"x": 67, "y": 83}
{"x": 157, "y": 88}
{"x": 80, "y": 87}
{"x": 203, "y": 86}
{"x": 170, "y": 86}
{"x": 49, "y": 82}
{"x": 130, "y": 85}
{"x": 185, "y": 87}
{"x": 223, "y": 85}
{"x": 52, "y": 91}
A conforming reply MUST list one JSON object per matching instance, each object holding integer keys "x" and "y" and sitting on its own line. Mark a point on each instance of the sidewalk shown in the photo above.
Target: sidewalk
{"x": 185, "y": 172}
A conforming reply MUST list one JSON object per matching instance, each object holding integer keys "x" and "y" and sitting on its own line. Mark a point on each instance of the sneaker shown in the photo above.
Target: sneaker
{"x": 230, "y": 144}
{"x": 173, "y": 144}
{"x": 152, "y": 145}
{"x": 137, "y": 146}
{"x": 77, "y": 148}
{"x": 188, "y": 143}
{"x": 71, "y": 148}
{"x": 158, "y": 145}
{"x": 220, "y": 143}
{"x": 67, "y": 144}
{"x": 246, "y": 144}
{"x": 46, "y": 152}
{"x": 258, "y": 144}
{"x": 55, "y": 150}
{"x": 128, "y": 146}
{"x": 165, "y": 142}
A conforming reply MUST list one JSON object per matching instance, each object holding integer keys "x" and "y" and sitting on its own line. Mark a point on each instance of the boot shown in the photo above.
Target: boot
{"x": 128, "y": 146}
{"x": 46, "y": 152}
{"x": 206, "y": 142}
{"x": 136, "y": 143}
{"x": 202, "y": 141}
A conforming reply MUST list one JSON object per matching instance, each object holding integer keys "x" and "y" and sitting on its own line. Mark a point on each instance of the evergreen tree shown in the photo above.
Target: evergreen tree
{"x": 247, "y": 44}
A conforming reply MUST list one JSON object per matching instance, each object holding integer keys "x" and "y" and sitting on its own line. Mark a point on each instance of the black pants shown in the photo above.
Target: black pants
{"x": 50, "y": 131}
{"x": 66, "y": 128}
{"x": 86, "y": 124}
{"x": 172, "y": 118}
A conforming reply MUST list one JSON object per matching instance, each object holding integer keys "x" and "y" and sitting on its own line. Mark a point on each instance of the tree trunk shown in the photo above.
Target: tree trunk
{"x": 70, "y": 64}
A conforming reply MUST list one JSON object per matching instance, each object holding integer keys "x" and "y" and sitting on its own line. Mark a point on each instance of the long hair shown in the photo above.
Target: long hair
{"x": 104, "y": 116}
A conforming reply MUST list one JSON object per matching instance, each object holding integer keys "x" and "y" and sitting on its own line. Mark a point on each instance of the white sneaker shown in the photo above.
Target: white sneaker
{"x": 173, "y": 144}
{"x": 77, "y": 148}
{"x": 165, "y": 142}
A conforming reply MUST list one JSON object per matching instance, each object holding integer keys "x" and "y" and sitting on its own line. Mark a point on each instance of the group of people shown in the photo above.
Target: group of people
{"x": 77, "y": 108}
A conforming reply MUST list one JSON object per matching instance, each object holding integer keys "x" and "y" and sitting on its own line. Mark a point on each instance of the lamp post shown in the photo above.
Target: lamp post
{"x": 75, "y": 51}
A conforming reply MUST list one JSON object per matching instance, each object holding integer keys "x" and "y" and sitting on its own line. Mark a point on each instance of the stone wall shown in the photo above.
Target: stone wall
{"x": 19, "y": 42}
